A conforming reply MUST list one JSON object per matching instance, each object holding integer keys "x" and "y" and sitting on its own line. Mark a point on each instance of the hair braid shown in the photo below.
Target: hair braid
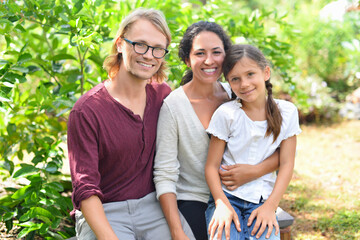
{"x": 273, "y": 115}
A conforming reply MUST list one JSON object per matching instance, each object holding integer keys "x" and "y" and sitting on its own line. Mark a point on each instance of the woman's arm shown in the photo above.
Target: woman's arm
{"x": 166, "y": 170}
{"x": 224, "y": 213}
{"x": 170, "y": 209}
{"x": 236, "y": 175}
{"x": 265, "y": 214}
{"x": 94, "y": 214}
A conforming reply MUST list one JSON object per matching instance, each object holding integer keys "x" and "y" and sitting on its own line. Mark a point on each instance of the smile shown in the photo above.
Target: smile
{"x": 209, "y": 70}
{"x": 247, "y": 92}
{"x": 145, "y": 65}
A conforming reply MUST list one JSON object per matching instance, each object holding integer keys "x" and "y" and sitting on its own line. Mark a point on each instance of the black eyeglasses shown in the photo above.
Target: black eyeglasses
{"x": 142, "y": 48}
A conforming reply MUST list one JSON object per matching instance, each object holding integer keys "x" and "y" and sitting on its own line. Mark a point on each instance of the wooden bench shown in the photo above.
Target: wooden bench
{"x": 285, "y": 221}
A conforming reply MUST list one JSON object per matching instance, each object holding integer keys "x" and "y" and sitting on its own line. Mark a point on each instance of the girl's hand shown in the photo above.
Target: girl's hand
{"x": 223, "y": 216}
{"x": 236, "y": 175}
{"x": 265, "y": 217}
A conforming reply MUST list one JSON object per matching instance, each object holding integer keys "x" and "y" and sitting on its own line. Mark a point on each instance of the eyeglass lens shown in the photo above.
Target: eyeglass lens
{"x": 142, "y": 48}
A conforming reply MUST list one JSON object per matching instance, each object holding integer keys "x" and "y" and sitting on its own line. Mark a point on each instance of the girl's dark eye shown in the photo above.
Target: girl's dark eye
{"x": 250, "y": 74}
{"x": 217, "y": 52}
{"x": 234, "y": 79}
{"x": 199, "y": 53}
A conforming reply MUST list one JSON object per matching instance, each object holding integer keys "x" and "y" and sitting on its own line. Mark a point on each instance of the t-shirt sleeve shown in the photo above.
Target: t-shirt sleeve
{"x": 293, "y": 121}
{"x": 83, "y": 157}
{"x": 220, "y": 123}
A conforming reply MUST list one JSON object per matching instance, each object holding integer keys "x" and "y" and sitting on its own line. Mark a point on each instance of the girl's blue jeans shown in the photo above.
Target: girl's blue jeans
{"x": 243, "y": 210}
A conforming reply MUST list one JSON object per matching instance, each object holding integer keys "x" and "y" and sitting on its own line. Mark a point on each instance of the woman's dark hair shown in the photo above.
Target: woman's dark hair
{"x": 235, "y": 54}
{"x": 187, "y": 41}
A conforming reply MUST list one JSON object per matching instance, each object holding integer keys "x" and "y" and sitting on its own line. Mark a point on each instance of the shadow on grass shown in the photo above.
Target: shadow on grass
{"x": 316, "y": 215}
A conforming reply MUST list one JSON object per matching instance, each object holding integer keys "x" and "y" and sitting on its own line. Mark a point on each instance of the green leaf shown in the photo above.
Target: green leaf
{"x": 9, "y": 224}
{"x": 20, "y": 29}
{"x": 11, "y": 129}
{"x": 97, "y": 38}
{"x": 24, "y": 58}
{"x": 21, "y": 69}
{"x": 25, "y": 170}
{"x": 44, "y": 219}
{"x": 8, "y": 165}
{"x": 13, "y": 7}
{"x": 33, "y": 69}
{"x": 51, "y": 167}
{"x": 62, "y": 56}
{"x": 22, "y": 193}
{"x": 28, "y": 224}
{"x": 4, "y": 98}
{"x": 55, "y": 236}
{"x": 13, "y": 77}
{"x": 64, "y": 17}
{"x": 55, "y": 224}
{"x": 35, "y": 178}
{"x": 37, "y": 159}
{"x": 96, "y": 59}
{"x": 56, "y": 186}
{"x": 78, "y": 6}
{"x": 5, "y": 21}
{"x": 26, "y": 231}
{"x": 55, "y": 42}
{"x": 72, "y": 23}
{"x": 44, "y": 228}
{"x": 34, "y": 197}
{"x": 7, "y": 216}
{"x": 79, "y": 23}
{"x": 25, "y": 216}
{"x": 39, "y": 211}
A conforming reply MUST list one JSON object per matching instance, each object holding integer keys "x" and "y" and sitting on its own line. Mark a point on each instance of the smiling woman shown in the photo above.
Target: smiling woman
{"x": 182, "y": 143}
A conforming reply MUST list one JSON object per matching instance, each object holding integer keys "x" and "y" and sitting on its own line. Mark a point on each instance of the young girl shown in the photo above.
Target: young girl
{"x": 247, "y": 130}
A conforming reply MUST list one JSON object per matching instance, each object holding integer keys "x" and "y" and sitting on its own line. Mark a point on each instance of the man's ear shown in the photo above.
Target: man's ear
{"x": 119, "y": 45}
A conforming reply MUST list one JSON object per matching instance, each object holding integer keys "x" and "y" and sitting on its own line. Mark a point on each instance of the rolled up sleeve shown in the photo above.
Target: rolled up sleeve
{"x": 166, "y": 164}
{"x": 83, "y": 158}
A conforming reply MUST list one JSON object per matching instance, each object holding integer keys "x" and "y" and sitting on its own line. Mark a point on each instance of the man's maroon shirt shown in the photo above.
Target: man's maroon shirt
{"x": 111, "y": 150}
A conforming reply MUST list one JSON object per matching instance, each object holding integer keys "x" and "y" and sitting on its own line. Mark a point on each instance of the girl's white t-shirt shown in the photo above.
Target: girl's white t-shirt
{"x": 247, "y": 144}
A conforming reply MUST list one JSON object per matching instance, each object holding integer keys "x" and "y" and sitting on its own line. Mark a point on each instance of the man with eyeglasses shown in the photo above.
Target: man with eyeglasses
{"x": 111, "y": 137}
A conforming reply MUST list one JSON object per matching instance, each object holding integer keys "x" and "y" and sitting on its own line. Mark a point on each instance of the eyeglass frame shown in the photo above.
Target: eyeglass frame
{"x": 147, "y": 49}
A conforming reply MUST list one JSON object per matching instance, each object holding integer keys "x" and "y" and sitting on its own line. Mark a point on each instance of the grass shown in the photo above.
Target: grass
{"x": 323, "y": 195}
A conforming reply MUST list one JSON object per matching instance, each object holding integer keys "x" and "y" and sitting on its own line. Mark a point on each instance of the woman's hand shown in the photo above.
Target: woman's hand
{"x": 265, "y": 217}
{"x": 236, "y": 175}
{"x": 222, "y": 218}
{"x": 180, "y": 235}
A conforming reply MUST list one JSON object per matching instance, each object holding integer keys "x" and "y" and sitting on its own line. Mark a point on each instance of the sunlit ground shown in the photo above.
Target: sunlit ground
{"x": 324, "y": 193}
